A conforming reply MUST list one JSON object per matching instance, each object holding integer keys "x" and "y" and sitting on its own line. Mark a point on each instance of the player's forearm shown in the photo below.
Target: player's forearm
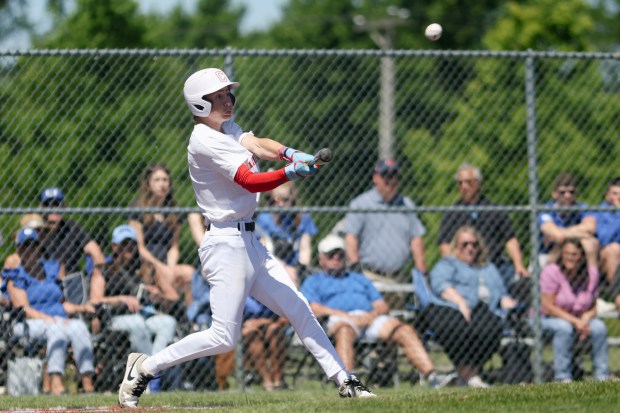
{"x": 259, "y": 182}
{"x": 263, "y": 148}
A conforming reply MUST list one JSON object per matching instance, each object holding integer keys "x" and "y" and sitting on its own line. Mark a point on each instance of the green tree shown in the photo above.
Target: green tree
{"x": 214, "y": 24}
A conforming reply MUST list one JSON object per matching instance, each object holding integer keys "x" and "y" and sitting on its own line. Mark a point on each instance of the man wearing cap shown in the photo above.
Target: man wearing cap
{"x": 64, "y": 240}
{"x": 382, "y": 243}
{"x": 356, "y": 310}
{"x": 494, "y": 226}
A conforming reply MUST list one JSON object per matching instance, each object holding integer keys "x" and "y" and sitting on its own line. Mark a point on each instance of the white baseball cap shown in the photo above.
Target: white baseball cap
{"x": 330, "y": 243}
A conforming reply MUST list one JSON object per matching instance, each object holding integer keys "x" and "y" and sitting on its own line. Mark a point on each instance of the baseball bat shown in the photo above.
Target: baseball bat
{"x": 323, "y": 156}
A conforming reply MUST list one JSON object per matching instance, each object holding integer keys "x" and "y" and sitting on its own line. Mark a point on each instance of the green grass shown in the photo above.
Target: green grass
{"x": 573, "y": 398}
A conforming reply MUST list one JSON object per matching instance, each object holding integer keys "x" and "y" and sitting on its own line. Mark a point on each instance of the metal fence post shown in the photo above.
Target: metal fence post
{"x": 530, "y": 99}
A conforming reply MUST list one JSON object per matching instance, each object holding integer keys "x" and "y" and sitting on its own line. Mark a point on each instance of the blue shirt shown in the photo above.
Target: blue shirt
{"x": 607, "y": 225}
{"x": 286, "y": 230}
{"x": 465, "y": 279}
{"x": 352, "y": 291}
{"x": 43, "y": 295}
{"x": 562, "y": 219}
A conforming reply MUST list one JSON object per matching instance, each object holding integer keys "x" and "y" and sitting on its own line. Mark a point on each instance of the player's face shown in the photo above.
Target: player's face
{"x": 159, "y": 183}
{"x": 221, "y": 105}
{"x": 469, "y": 186}
{"x": 613, "y": 196}
{"x": 467, "y": 248}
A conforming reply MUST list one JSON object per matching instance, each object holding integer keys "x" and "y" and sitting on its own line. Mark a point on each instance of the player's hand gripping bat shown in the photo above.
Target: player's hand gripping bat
{"x": 323, "y": 156}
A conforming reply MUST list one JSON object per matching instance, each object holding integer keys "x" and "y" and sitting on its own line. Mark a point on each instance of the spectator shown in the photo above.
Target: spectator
{"x": 159, "y": 233}
{"x": 466, "y": 321}
{"x": 608, "y": 233}
{"x": 356, "y": 310}
{"x": 34, "y": 287}
{"x": 568, "y": 286}
{"x": 264, "y": 341}
{"x": 495, "y": 228}
{"x": 291, "y": 233}
{"x": 34, "y": 221}
{"x": 382, "y": 243}
{"x": 119, "y": 287}
{"x": 64, "y": 240}
{"x": 556, "y": 226}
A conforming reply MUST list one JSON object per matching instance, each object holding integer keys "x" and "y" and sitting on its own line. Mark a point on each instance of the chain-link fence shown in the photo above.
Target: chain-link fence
{"x": 92, "y": 122}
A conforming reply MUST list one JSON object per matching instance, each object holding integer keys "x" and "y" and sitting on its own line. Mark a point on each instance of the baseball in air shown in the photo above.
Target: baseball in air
{"x": 433, "y": 31}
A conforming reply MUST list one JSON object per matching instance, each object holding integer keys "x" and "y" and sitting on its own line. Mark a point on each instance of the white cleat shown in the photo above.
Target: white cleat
{"x": 134, "y": 382}
{"x": 352, "y": 387}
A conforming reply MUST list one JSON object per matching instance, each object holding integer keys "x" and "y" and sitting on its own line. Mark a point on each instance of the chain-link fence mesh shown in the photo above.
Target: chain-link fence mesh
{"x": 92, "y": 122}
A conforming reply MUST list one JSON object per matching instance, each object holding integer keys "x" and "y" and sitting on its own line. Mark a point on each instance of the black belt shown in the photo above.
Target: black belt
{"x": 247, "y": 226}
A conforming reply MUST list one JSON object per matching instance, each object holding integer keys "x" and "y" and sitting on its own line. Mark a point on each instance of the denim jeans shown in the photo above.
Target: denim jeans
{"x": 58, "y": 334}
{"x": 563, "y": 339}
{"x": 147, "y": 335}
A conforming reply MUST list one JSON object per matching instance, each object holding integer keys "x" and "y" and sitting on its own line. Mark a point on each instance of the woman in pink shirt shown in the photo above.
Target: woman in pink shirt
{"x": 569, "y": 288}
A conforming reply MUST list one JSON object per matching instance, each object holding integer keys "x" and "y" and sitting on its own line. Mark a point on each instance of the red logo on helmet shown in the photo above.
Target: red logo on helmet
{"x": 221, "y": 76}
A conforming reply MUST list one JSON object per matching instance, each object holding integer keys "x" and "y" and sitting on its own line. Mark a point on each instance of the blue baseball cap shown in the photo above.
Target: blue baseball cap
{"x": 123, "y": 232}
{"x": 52, "y": 193}
{"x": 26, "y": 234}
{"x": 386, "y": 167}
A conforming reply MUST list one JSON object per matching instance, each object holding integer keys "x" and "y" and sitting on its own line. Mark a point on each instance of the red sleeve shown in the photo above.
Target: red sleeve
{"x": 259, "y": 182}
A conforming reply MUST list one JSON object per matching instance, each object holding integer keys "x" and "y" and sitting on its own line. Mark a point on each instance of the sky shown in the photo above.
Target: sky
{"x": 259, "y": 15}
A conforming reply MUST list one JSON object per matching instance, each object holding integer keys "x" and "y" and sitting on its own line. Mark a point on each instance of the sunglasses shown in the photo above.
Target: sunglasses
{"x": 469, "y": 182}
{"x": 53, "y": 203}
{"x": 567, "y": 191}
{"x": 337, "y": 253}
{"x": 465, "y": 244}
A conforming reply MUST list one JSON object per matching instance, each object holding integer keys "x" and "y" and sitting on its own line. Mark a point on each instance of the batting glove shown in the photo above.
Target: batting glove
{"x": 298, "y": 170}
{"x": 293, "y": 155}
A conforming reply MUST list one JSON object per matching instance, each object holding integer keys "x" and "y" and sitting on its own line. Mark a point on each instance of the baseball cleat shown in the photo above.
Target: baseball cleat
{"x": 352, "y": 387}
{"x": 134, "y": 382}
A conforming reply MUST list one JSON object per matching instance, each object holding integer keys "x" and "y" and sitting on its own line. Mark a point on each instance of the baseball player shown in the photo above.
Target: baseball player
{"x": 224, "y": 172}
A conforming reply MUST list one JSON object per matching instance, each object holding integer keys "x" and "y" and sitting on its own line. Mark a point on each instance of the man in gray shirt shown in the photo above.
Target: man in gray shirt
{"x": 382, "y": 243}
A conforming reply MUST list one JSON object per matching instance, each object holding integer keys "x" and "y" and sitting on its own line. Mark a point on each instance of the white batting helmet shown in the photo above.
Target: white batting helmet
{"x": 202, "y": 83}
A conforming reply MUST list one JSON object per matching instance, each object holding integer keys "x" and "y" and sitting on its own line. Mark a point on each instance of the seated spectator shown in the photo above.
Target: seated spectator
{"x": 118, "y": 287}
{"x": 263, "y": 339}
{"x": 290, "y": 233}
{"x": 556, "y": 226}
{"x": 159, "y": 233}
{"x": 34, "y": 221}
{"x": 382, "y": 244}
{"x": 467, "y": 322}
{"x": 568, "y": 286}
{"x": 356, "y": 310}
{"x": 494, "y": 226}
{"x": 33, "y": 286}
{"x": 608, "y": 234}
{"x": 65, "y": 241}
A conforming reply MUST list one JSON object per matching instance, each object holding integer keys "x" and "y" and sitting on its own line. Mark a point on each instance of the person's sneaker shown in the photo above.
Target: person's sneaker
{"x": 438, "y": 381}
{"x": 352, "y": 387}
{"x": 134, "y": 382}
{"x": 477, "y": 382}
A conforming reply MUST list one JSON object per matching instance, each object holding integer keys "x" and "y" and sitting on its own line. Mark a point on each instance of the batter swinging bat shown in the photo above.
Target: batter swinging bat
{"x": 323, "y": 156}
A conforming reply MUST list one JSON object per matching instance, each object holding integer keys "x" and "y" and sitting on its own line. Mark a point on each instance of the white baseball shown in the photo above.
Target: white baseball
{"x": 433, "y": 31}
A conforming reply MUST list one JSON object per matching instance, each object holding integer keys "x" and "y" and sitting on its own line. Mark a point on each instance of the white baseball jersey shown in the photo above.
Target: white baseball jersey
{"x": 212, "y": 155}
